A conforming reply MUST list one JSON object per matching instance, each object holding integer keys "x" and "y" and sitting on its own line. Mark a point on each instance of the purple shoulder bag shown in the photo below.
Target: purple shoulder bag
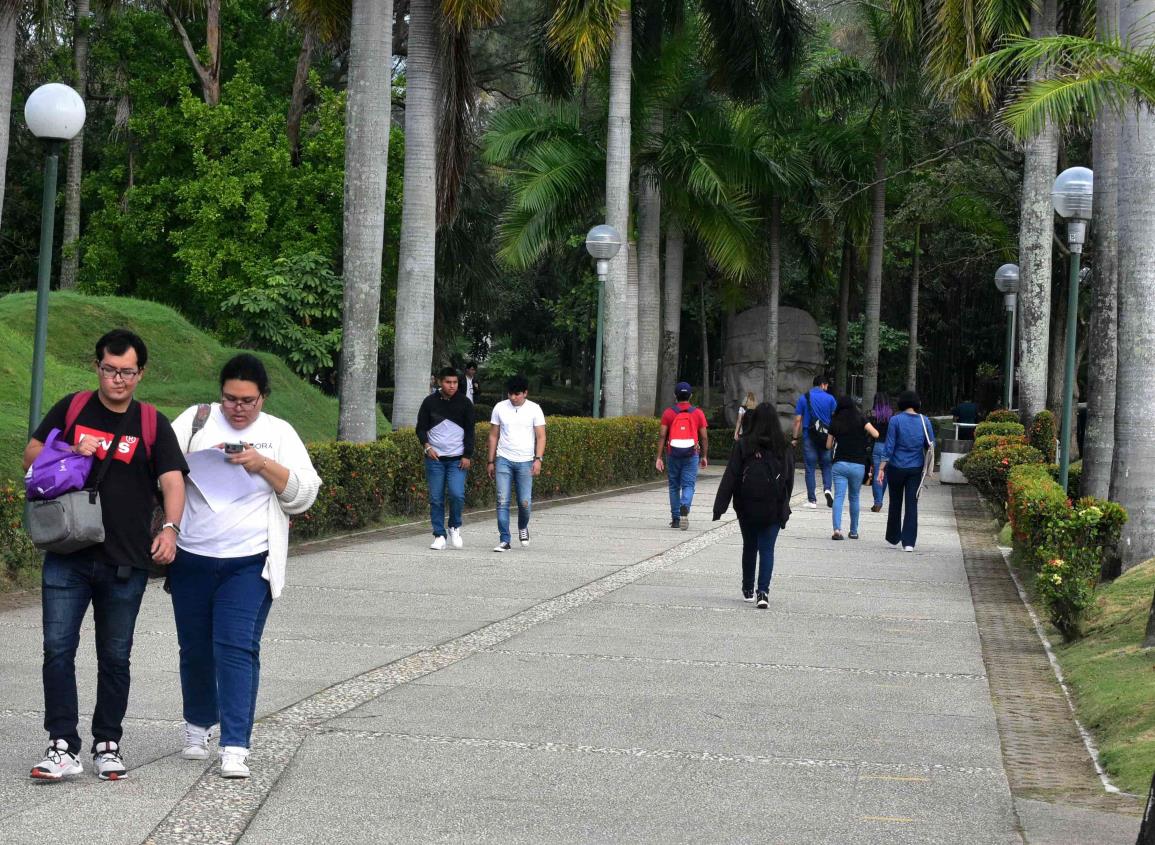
{"x": 57, "y": 470}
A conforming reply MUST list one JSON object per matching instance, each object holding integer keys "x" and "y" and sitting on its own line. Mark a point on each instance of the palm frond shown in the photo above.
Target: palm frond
{"x": 582, "y": 31}
{"x": 751, "y": 43}
{"x": 471, "y": 14}
{"x": 1065, "y": 101}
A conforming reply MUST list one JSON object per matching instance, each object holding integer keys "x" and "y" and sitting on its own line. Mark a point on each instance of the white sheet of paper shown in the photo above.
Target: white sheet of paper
{"x": 220, "y": 482}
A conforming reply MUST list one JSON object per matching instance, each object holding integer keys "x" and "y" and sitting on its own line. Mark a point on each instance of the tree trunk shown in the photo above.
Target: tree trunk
{"x": 845, "y": 280}
{"x": 618, "y": 215}
{"x": 630, "y": 370}
{"x": 874, "y": 278}
{"x": 1149, "y": 639}
{"x": 705, "y": 392}
{"x": 69, "y": 246}
{"x": 1134, "y": 455}
{"x": 1036, "y": 229}
{"x": 8, "y": 9}
{"x": 300, "y": 90}
{"x": 649, "y": 288}
{"x": 672, "y": 310}
{"x": 413, "y": 349}
{"x": 1147, "y": 830}
{"x": 1099, "y": 440}
{"x": 210, "y": 74}
{"x": 773, "y": 288}
{"x": 912, "y": 346}
{"x": 367, "y": 113}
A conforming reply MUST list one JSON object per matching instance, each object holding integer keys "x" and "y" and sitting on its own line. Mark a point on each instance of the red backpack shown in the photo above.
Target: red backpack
{"x": 683, "y": 434}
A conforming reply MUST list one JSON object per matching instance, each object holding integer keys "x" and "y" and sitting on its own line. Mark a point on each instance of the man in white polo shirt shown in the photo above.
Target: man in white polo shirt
{"x": 516, "y": 451}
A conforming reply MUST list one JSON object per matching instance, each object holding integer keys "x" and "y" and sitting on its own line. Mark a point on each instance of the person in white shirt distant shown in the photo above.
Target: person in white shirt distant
{"x": 516, "y": 452}
{"x": 471, "y": 381}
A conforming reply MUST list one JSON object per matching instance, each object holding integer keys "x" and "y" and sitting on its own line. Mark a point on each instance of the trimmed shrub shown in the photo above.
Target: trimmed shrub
{"x": 1003, "y": 429}
{"x": 1033, "y": 500}
{"x": 1074, "y": 477}
{"x": 1002, "y": 415}
{"x": 1042, "y": 434}
{"x": 987, "y": 469}
{"x": 357, "y": 484}
{"x": 991, "y": 441}
{"x": 16, "y": 551}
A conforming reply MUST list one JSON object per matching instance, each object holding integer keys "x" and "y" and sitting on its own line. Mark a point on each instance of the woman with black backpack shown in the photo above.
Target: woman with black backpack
{"x": 760, "y": 480}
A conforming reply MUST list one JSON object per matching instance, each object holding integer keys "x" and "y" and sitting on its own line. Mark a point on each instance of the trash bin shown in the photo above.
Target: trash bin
{"x": 952, "y": 450}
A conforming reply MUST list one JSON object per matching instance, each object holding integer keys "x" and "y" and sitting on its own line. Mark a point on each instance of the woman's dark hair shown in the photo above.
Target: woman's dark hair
{"x": 246, "y": 367}
{"x": 517, "y": 384}
{"x": 846, "y": 416}
{"x": 882, "y": 411}
{"x": 909, "y": 399}
{"x": 761, "y": 429}
{"x": 118, "y": 341}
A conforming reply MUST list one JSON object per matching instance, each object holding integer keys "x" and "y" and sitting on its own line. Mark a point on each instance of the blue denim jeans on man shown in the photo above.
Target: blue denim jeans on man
{"x": 220, "y": 606}
{"x": 847, "y": 484}
{"x": 757, "y": 544}
{"x": 877, "y": 487}
{"x": 70, "y": 583}
{"x": 441, "y": 475}
{"x": 682, "y": 474}
{"x": 508, "y": 477}
{"x": 812, "y": 456}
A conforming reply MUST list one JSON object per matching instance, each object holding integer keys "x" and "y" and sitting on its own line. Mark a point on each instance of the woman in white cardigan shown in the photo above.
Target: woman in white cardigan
{"x": 231, "y": 550}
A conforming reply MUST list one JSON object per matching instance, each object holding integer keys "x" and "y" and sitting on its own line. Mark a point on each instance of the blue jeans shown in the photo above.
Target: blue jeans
{"x": 440, "y": 474}
{"x": 757, "y": 542}
{"x": 70, "y": 583}
{"x": 220, "y": 605}
{"x": 903, "y": 484}
{"x": 811, "y": 456}
{"x": 847, "y": 478}
{"x": 682, "y": 473}
{"x": 878, "y": 489}
{"x": 507, "y": 475}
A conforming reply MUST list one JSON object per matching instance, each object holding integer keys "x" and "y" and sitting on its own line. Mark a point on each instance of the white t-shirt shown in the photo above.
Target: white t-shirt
{"x": 516, "y": 441}
{"x": 241, "y": 529}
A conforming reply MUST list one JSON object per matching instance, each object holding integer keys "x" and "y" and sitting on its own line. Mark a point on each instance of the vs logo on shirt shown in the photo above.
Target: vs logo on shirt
{"x": 125, "y": 447}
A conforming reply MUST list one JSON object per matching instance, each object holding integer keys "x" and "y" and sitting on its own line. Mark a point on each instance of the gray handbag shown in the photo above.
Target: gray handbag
{"x": 73, "y": 521}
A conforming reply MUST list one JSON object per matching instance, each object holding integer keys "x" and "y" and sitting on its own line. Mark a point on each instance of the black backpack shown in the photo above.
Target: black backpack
{"x": 762, "y": 486}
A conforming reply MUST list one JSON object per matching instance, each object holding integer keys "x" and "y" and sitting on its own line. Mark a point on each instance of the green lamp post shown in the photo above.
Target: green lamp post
{"x": 1071, "y": 196}
{"x": 54, "y": 114}
{"x": 1007, "y": 281}
{"x": 602, "y": 243}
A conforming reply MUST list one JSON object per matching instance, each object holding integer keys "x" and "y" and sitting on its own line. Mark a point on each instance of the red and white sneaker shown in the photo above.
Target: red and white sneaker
{"x": 58, "y": 762}
{"x": 107, "y": 761}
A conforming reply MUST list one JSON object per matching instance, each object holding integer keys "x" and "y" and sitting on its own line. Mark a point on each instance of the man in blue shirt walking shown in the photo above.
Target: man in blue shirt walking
{"x": 815, "y": 404}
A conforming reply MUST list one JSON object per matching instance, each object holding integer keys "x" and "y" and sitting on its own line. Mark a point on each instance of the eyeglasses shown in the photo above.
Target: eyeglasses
{"x": 112, "y": 373}
{"x": 242, "y": 402}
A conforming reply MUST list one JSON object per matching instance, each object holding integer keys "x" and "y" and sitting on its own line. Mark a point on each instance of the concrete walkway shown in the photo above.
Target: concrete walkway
{"x": 608, "y": 684}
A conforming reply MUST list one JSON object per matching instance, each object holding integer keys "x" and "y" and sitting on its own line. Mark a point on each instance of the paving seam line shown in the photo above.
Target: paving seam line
{"x": 1088, "y": 740}
{"x": 842, "y": 616}
{"x": 216, "y": 811}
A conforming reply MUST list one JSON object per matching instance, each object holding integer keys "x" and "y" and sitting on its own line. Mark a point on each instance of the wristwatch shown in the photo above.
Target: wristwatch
{"x": 539, "y": 458}
{"x": 172, "y": 525}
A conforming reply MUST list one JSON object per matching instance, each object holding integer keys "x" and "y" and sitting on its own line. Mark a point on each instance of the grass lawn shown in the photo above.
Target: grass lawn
{"x": 183, "y": 366}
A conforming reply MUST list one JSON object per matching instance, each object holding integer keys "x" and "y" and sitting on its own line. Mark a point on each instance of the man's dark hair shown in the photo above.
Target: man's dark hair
{"x": 447, "y": 372}
{"x": 118, "y": 342}
{"x": 517, "y": 384}
{"x": 821, "y": 379}
{"x": 246, "y": 367}
{"x": 909, "y": 399}
{"x": 471, "y": 365}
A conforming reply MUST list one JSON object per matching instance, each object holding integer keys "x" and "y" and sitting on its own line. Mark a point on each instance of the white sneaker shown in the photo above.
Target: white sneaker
{"x": 455, "y": 538}
{"x": 58, "y": 762}
{"x": 196, "y": 742}
{"x": 908, "y": 548}
{"x": 107, "y": 761}
{"x": 233, "y": 762}
{"x": 812, "y": 504}
{"x": 438, "y": 543}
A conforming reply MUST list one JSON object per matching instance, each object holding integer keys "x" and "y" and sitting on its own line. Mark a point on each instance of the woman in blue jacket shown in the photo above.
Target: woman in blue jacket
{"x": 908, "y": 437}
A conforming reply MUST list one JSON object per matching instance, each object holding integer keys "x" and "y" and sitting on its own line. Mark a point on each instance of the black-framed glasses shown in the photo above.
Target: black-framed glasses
{"x": 243, "y": 402}
{"x": 112, "y": 373}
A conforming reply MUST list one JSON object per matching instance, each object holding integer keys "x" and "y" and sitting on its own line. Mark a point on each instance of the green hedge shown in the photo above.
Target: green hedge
{"x": 1074, "y": 477}
{"x": 1066, "y": 543}
{"x": 1002, "y": 415}
{"x": 1042, "y": 434}
{"x": 365, "y": 482}
{"x": 991, "y": 441}
{"x": 1003, "y": 429}
{"x": 987, "y": 469}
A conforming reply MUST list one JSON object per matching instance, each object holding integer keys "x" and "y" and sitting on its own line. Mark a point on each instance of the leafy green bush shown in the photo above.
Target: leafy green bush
{"x": 358, "y": 481}
{"x": 1033, "y": 501}
{"x": 991, "y": 441}
{"x": 1042, "y": 434}
{"x": 987, "y": 469}
{"x": 1004, "y": 429}
{"x": 16, "y": 551}
{"x": 1002, "y": 415}
{"x": 1074, "y": 477}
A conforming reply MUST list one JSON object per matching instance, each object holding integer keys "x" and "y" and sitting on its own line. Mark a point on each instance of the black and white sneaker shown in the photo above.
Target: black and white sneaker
{"x": 675, "y": 523}
{"x": 523, "y": 536}
{"x": 763, "y": 600}
{"x": 684, "y": 522}
{"x": 502, "y": 547}
{"x": 829, "y": 498}
{"x": 107, "y": 761}
{"x": 58, "y": 762}
{"x": 747, "y": 595}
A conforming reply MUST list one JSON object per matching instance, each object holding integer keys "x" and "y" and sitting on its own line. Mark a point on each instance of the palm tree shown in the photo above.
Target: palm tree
{"x": 69, "y": 247}
{"x": 912, "y": 347}
{"x": 618, "y": 215}
{"x": 366, "y": 159}
{"x": 9, "y": 10}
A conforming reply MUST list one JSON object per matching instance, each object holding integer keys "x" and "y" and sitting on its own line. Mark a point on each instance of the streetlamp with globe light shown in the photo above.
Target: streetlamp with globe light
{"x": 54, "y": 114}
{"x": 602, "y": 243}
{"x": 1007, "y": 281}
{"x": 1071, "y": 195}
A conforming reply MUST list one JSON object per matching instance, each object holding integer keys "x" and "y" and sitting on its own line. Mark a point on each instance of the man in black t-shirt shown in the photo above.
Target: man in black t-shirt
{"x": 111, "y": 575}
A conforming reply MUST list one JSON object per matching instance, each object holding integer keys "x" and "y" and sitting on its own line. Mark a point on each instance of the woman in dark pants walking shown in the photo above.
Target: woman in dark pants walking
{"x": 763, "y": 507}
{"x": 907, "y": 439}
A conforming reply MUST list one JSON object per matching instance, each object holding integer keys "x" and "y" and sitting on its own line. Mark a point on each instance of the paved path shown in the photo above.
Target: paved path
{"x": 605, "y": 685}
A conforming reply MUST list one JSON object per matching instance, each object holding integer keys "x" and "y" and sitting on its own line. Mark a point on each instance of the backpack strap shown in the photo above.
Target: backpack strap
{"x": 75, "y": 406}
{"x": 148, "y": 427}
{"x": 199, "y": 420}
